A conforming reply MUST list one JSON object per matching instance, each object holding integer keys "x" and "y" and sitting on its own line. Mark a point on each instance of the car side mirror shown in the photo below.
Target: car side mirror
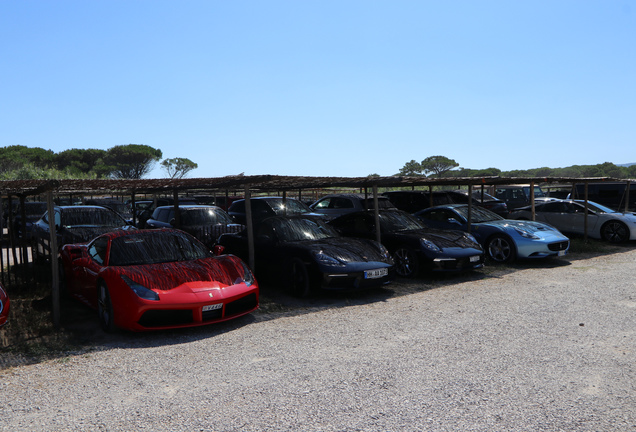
{"x": 453, "y": 221}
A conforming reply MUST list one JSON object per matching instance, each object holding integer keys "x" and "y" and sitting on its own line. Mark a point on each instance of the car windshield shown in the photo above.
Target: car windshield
{"x": 34, "y": 208}
{"x": 291, "y": 206}
{"x": 205, "y": 216}
{"x": 595, "y": 207}
{"x": 479, "y": 214}
{"x": 150, "y": 247}
{"x": 91, "y": 216}
{"x": 487, "y": 197}
{"x": 298, "y": 229}
{"x": 396, "y": 221}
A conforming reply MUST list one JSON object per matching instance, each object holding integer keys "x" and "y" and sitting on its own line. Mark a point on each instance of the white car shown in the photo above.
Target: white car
{"x": 569, "y": 216}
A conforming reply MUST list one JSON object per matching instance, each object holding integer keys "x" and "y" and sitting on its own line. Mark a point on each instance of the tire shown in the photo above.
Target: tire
{"x": 298, "y": 283}
{"x": 615, "y": 232}
{"x": 501, "y": 249}
{"x": 105, "y": 308}
{"x": 406, "y": 263}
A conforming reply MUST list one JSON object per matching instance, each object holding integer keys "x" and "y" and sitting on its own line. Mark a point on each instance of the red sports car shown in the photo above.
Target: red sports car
{"x": 157, "y": 279}
{"x": 4, "y": 306}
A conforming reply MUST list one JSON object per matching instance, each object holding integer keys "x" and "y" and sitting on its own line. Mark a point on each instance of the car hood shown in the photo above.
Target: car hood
{"x": 215, "y": 272}
{"x": 345, "y": 249}
{"x": 530, "y": 226}
{"x": 441, "y": 238}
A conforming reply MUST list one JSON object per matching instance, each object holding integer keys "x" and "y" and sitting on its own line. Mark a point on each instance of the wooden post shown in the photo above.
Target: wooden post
{"x": 177, "y": 216}
{"x": 534, "y": 214}
{"x": 249, "y": 227}
{"x": 470, "y": 207}
{"x": 133, "y": 206}
{"x": 586, "y": 210}
{"x": 55, "y": 271}
{"x": 376, "y": 213}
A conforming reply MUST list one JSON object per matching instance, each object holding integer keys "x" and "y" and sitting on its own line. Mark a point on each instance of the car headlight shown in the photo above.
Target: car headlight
{"x": 325, "y": 259}
{"x": 247, "y": 277}
{"x": 140, "y": 290}
{"x": 471, "y": 238}
{"x": 526, "y": 234}
{"x": 427, "y": 244}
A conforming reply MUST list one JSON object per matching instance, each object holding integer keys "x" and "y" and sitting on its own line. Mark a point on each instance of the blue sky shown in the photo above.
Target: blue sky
{"x": 324, "y": 88}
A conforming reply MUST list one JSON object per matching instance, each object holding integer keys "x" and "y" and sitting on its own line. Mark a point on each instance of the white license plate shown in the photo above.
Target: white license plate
{"x": 212, "y": 307}
{"x": 474, "y": 258}
{"x": 561, "y": 253}
{"x": 377, "y": 273}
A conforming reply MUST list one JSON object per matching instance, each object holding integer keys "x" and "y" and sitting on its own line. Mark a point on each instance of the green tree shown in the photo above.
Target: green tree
{"x": 17, "y": 156}
{"x": 438, "y": 165}
{"x": 80, "y": 161}
{"x": 178, "y": 167}
{"x": 412, "y": 168}
{"x": 131, "y": 161}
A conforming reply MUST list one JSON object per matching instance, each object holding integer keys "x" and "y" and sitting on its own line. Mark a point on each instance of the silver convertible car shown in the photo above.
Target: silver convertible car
{"x": 504, "y": 240}
{"x": 569, "y": 217}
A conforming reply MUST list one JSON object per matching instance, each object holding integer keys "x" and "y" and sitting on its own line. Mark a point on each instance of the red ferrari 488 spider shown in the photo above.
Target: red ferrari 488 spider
{"x": 157, "y": 279}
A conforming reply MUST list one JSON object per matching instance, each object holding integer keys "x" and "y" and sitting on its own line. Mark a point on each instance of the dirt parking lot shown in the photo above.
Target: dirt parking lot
{"x": 533, "y": 347}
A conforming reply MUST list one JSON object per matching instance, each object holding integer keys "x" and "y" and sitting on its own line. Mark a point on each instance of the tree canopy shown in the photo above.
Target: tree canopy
{"x": 132, "y": 161}
{"x": 178, "y": 167}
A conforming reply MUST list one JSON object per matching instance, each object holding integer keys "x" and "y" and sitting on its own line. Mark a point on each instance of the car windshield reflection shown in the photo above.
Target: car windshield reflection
{"x": 154, "y": 247}
{"x": 478, "y": 214}
{"x": 91, "y": 216}
{"x": 299, "y": 229}
{"x": 205, "y": 217}
{"x": 394, "y": 221}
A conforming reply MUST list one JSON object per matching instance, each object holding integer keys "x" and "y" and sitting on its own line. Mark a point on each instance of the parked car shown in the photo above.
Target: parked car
{"x": 144, "y": 208}
{"x": 33, "y": 211}
{"x": 304, "y": 254}
{"x": 516, "y": 196}
{"x": 608, "y": 194}
{"x": 264, "y": 207}
{"x": 413, "y": 201}
{"x": 4, "y": 306}
{"x": 569, "y": 216}
{"x": 157, "y": 279}
{"x": 74, "y": 224}
{"x": 413, "y": 246}
{"x": 204, "y": 222}
{"x": 504, "y": 240}
{"x": 334, "y": 205}
{"x": 112, "y": 203}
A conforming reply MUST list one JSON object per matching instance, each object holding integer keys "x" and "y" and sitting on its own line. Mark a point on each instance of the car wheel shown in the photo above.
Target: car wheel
{"x": 406, "y": 264}
{"x": 615, "y": 232}
{"x": 105, "y": 308}
{"x": 298, "y": 283}
{"x": 500, "y": 249}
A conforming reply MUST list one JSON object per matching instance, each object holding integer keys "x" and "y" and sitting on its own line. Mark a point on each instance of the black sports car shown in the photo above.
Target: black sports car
{"x": 305, "y": 254}
{"x": 413, "y": 246}
{"x": 74, "y": 224}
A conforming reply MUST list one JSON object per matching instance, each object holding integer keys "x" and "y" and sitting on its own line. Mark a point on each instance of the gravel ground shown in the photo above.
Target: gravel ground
{"x": 540, "y": 347}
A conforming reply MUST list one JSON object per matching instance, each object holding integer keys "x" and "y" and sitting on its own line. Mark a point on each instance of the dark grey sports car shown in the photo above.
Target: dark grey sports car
{"x": 305, "y": 254}
{"x": 413, "y": 246}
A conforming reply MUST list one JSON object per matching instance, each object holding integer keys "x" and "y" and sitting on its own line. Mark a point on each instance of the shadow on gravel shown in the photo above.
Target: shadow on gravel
{"x": 80, "y": 332}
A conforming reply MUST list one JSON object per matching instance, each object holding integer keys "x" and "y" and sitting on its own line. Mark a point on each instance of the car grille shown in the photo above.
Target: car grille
{"x": 160, "y": 318}
{"x": 241, "y": 305}
{"x": 559, "y": 246}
